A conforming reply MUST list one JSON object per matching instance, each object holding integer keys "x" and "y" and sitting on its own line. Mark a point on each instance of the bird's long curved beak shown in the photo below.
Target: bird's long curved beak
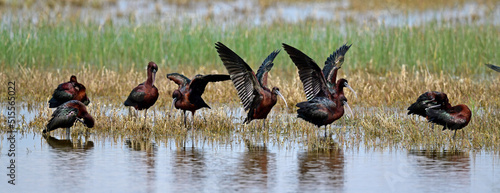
{"x": 279, "y": 94}
{"x": 171, "y": 107}
{"x": 349, "y": 87}
{"x": 154, "y": 76}
{"x": 348, "y": 108}
{"x": 433, "y": 106}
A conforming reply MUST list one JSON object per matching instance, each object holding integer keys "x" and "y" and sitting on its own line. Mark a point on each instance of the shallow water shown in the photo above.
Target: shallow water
{"x": 251, "y": 13}
{"x": 104, "y": 163}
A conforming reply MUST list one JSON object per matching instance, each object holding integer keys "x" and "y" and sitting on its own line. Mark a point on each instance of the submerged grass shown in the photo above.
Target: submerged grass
{"x": 389, "y": 67}
{"x": 380, "y": 119}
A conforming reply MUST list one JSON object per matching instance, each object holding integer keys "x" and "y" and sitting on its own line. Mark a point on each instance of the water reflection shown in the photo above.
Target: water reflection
{"x": 143, "y": 155}
{"x": 68, "y": 144}
{"x": 256, "y": 167}
{"x": 442, "y": 166}
{"x": 189, "y": 168}
{"x": 69, "y": 160}
{"x": 322, "y": 169}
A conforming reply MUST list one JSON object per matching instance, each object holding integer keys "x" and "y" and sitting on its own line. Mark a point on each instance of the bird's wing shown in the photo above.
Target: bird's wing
{"x": 243, "y": 77}
{"x": 443, "y": 117}
{"x": 136, "y": 96}
{"x": 495, "y": 68}
{"x": 309, "y": 72}
{"x": 63, "y": 116}
{"x": 199, "y": 83}
{"x": 179, "y": 79}
{"x": 266, "y": 67}
{"x": 334, "y": 62}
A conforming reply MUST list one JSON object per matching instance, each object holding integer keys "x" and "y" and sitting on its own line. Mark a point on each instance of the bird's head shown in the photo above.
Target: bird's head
{"x": 88, "y": 120}
{"x": 344, "y": 83}
{"x": 276, "y": 91}
{"x": 153, "y": 68}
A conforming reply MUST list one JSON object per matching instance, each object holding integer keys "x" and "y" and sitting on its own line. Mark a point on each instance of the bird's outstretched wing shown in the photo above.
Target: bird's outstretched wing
{"x": 179, "y": 79}
{"x": 309, "y": 72}
{"x": 334, "y": 62}
{"x": 265, "y": 68}
{"x": 495, "y": 68}
{"x": 199, "y": 83}
{"x": 243, "y": 77}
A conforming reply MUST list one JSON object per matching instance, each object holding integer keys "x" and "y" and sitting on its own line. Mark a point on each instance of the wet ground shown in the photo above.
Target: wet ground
{"x": 107, "y": 164}
{"x": 224, "y": 13}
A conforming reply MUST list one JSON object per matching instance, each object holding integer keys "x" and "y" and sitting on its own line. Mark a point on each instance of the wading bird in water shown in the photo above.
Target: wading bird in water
{"x": 66, "y": 114}
{"x": 436, "y": 108}
{"x": 145, "y": 94}
{"x": 495, "y": 68}
{"x": 326, "y": 100}
{"x": 252, "y": 88}
{"x": 67, "y": 91}
{"x": 188, "y": 96}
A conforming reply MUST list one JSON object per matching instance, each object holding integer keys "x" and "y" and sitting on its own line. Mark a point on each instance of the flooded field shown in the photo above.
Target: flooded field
{"x": 96, "y": 163}
{"x": 241, "y": 159}
{"x": 400, "y": 49}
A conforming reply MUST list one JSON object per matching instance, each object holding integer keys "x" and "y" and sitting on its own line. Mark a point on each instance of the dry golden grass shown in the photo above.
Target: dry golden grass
{"x": 380, "y": 119}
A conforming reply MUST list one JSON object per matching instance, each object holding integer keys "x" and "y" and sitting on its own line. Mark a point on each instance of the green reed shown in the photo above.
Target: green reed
{"x": 435, "y": 47}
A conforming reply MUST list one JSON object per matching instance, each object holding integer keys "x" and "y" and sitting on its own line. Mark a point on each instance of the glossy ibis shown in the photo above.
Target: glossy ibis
{"x": 252, "y": 88}
{"x": 67, "y": 91}
{"x": 188, "y": 96}
{"x": 326, "y": 100}
{"x": 495, "y": 68}
{"x": 66, "y": 114}
{"x": 436, "y": 107}
{"x": 145, "y": 94}
{"x": 437, "y": 100}
{"x": 427, "y": 100}
{"x": 454, "y": 118}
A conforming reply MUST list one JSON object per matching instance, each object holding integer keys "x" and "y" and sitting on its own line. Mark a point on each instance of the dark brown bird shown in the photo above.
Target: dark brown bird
{"x": 66, "y": 114}
{"x": 188, "y": 96}
{"x": 435, "y": 99}
{"x": 145, "y": 94}
{"x": 252, "y": 88}
{"x": 326, "y": 100}
{"x": 67, "y": 91}
{"x": 428, "y": 99}
{"x": 436, "y": 107}
{"x": 454, "y": 118}
{"x": 495, "y": 68}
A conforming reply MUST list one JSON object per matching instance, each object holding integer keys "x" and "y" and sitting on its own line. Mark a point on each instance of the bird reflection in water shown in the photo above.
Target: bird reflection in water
{"x": 256, "y": 167}
{"x": 442, "y": 166}
{"x": 322, "y": 168}
{"x": 144, "y": 154}
{"x": 69, "y": 144}
{"x": 68, "y": 160}
{"x": 189, "y": 168}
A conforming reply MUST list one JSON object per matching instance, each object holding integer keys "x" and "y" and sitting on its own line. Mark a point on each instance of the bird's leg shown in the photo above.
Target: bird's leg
{"x": 145, "y": 115}
{"x": 263, "y": 124}
{"x": 154, "y": 117}
{"x": 325, "y": 131}
{"x": 184, "y": 114}
{"x": 68, "y": 133}
{"x": 432, "y": 127}
{"x": 192, "y": 119}
{"x": 454, "y": 134}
